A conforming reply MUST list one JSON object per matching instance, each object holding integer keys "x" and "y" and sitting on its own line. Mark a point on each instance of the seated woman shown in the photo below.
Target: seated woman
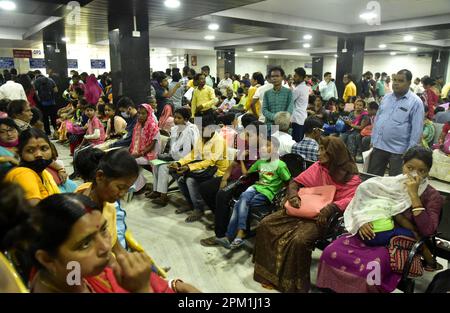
{"x": 166, "y": 120}
{"x": 144, "y": 143}
{"x": 357, "y": 120}
{"x": 283, "y": 120}
{"x": 115, "y": 126}
{"x": 183, "y": 137}
{"x": 318, "y": 110}
{"x": 9, "y": 140}
{"x": 35, "y": 156}
{"x": 71, "y": 228}
{"x": 284, "y": 243}
{"x": 207, "y": 161}
{"x": 20, "y": 112}
{"x": 343, "y": 271}
{"x": 428, "y": 131}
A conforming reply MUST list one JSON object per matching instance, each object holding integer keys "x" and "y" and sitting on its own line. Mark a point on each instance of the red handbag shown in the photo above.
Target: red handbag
{"x": 313, "y": 200}
{"x": 399, "y": 248}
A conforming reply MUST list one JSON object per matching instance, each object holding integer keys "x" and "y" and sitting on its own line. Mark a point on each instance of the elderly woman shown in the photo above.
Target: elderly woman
{"x": 9, "y": 140}
{"x": 284, "y": 243}
{"x": 20, "y": 112}
{"x": 343, "y": 264}
{"x": 283, "y": 120}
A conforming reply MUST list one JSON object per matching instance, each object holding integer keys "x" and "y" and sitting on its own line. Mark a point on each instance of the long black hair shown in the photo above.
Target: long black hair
{"x": 27, "y": 134}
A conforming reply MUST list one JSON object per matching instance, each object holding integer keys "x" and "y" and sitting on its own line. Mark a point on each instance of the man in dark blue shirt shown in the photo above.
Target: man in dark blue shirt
{"x": 129, "y": 112}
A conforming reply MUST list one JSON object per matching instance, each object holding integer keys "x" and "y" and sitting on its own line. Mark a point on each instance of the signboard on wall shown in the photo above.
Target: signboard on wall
{"x": 193, "y": 60}
{"x": 98, "y": 63}
{"x": 308, "y": 65}
{"x": 6, "y": 63}
{"x": 37, "y": 52}
{"x": 37, "y": 63}
{"x": 23, "y": 54}
{"x": 72, "y": 63}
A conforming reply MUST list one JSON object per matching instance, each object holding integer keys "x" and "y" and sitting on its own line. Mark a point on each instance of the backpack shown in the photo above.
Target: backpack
{"x": 45, "y": 91}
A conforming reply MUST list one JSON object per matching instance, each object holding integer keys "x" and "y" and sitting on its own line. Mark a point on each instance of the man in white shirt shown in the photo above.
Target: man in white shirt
{"x": 301, "y": 96}
{"x": 327, "y": 88}
{"x": 12, "y": 90}
{"x": 417, "y": 88}
{"x": 225, "y": 83}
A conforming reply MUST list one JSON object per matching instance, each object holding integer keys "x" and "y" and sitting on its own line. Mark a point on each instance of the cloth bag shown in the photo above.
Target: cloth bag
{"x": 399, "y": 248}
{"x": 313, "y": 200}
{"x": 441, "y": 166}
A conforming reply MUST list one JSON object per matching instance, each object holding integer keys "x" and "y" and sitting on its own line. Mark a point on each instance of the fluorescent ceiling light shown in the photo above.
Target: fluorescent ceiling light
{"x": 65, "y": 39}
{"x": 7, "y": 5}
{"x": 210, "y": 37}
{"x": 368, "y": 15}
{"x": 266, "y": 57}
{"x": 307, "y": 37}
{"x": 306, "y": 45}
{"x": 336, "y": 56}
{"x": 382, "y": 46}
{"x": 393, "y": 53}
{"x": 413, "y": 49}
{"x": 250, "y": 49}
{"x": 173, "y": 4}
{"x": 213, "y": 26}
{"x": 235, "y": 54}
{"x": 408, "y": 38}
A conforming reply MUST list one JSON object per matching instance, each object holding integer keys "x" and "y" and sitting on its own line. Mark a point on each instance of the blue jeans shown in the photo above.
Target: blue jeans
{"x": 238, "y": 220}
{"x": 298, "y": 132}
{"x": 382, "y": 238}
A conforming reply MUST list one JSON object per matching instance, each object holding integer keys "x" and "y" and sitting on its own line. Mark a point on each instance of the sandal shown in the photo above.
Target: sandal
{"x": 209, "y": 242}
{"x": 433, "y": 268}
{"x": 224, "y": 242}
{"x": 195, "y": 216}
{"x": 183, "y": 210}
{"x": 237, "y": 242}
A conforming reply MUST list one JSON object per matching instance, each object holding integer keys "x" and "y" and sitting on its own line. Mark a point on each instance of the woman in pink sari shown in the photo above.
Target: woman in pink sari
{"x": 284, "y": 244}
{"x": 93, "y": 91}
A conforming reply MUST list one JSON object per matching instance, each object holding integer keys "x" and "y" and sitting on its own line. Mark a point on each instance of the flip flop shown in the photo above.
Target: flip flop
{"x": 194, "y": 217}
{"x": 224, "y": 242}
{"x": 183, "y": 210}
{"x": 209, "y": 242}
{"x": 237, "y": 242}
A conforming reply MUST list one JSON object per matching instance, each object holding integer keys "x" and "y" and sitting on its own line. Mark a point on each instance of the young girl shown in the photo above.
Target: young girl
{"x": 95, "y": 133}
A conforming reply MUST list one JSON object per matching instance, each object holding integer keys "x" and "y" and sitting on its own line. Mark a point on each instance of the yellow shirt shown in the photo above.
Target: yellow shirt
{"x": 445, "y": 90}
{"x": 204, "y": 97}
{"x": 34, "y": 186}
{"x": 190, "y": 83}
{"x": 212, "y": 153}
{"x": 248, "y": 109}
{"x": 350, "y": 91}
{"x": 109, "y": 212}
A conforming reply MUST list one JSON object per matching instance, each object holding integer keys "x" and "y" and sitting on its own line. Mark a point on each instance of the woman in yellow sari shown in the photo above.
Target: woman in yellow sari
{"x": 35, "y": 155}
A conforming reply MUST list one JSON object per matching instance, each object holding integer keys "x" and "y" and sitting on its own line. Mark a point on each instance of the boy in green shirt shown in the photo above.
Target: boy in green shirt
{"x": 273, "y": 174}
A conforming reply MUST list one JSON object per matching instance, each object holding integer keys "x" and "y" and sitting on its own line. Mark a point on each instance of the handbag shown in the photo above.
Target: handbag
{"x": 313, "y": 200}
{"x": 399, "y": 248}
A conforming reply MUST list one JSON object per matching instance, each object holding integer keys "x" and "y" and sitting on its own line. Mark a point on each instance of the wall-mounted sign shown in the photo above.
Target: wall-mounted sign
{"x": 72, "y": 63}
{"x": 37, "y": 63}
{"x": 308, "y": 65}
{"x": 37, "y": 52}
{"x": 193, "y": 60}
{"x": 23, "y": 54}
{"x": 6, "y": 63}
{"x": 98, "y": 63}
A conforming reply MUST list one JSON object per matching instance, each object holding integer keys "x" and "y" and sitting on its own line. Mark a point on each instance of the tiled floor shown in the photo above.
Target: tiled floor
{"x": 175, "y": 244}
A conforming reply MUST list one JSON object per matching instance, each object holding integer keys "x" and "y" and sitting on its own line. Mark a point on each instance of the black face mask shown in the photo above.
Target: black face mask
{"x": 37, "y": 165}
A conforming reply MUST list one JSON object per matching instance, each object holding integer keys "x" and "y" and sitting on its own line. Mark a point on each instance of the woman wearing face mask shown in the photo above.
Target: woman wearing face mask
{"x": 9, "y": 140}
{"x": 35, "y": 156}
{"x": 414, "y": 209}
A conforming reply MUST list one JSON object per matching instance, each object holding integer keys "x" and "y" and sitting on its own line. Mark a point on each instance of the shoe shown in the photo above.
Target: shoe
{"x": 237, "y": 242}
{"x": 195, "y": 216}
{"x": 224, "y": 242}
{"x": 152, "y": 195}
{"x": 209, "y": 242}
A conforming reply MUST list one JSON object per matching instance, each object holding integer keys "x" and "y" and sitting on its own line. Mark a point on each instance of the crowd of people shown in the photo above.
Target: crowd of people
{"x": 208, "y": 136}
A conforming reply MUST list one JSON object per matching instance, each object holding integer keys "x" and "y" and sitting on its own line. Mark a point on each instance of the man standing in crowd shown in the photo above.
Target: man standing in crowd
{"x": 225, "y": 83}
{"x": 350, "y": 87}
{"x": 301, "y": 96}
{"x": 12, "y": 90}
{"x": 47, "y": 90}
{"x": 208, "y": 79}
{"x": 380, "y": 90}
{"x": 277, "y": 99}
{"x": 203, "y": 97}
{"x": 398, "y": 126}
{"x": 327, "y": 88}
{"x": 259, "y": 95}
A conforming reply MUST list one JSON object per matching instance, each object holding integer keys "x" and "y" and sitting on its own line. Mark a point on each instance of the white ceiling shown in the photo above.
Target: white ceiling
{"x": 347, "y": 12}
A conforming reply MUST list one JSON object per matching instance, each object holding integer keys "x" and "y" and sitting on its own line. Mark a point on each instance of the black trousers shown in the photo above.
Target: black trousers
{"x": 49, "y": 113}
{"x": 379, "y": 160}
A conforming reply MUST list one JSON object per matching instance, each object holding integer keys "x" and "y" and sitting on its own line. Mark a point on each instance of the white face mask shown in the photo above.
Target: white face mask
{"x": 125, "y": 115}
